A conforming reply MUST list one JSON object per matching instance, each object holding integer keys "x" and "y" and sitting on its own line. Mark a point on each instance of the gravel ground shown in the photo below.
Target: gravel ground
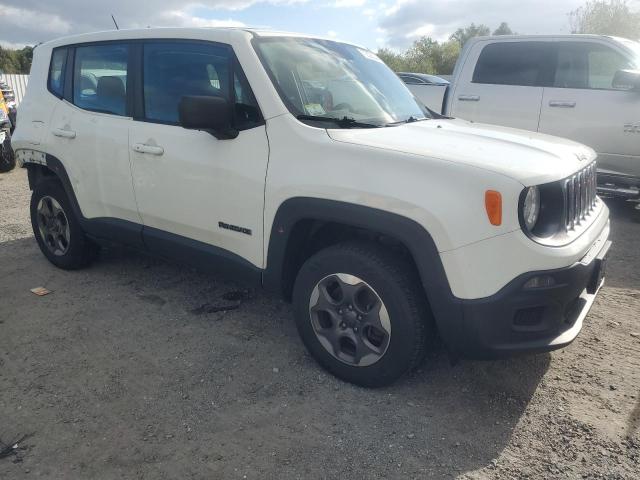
{"x": 122, "y": 373}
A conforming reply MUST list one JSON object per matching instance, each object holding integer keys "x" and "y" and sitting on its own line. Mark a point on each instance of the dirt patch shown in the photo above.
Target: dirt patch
{"x": 128, "y": 370}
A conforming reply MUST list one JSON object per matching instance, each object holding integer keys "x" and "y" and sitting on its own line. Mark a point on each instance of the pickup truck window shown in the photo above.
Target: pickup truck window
{"x": 634, "y": 48}
{"x": 322, "y": 78}
{"x": 100, "y": 78}
{"x": 588, "y": 65}
{"x": 528, "y": 64}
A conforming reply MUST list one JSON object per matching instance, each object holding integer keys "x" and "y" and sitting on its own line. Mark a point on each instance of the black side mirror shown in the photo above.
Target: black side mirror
{"x": 210, "y": 114}
{"x": 626, "y": 80}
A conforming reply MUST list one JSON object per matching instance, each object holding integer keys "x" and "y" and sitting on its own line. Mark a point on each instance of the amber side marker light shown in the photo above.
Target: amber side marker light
{"x": 493, "y": 204}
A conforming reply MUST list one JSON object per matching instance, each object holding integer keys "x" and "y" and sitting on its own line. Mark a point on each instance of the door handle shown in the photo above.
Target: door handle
{"x": 469, "y": 98}
{"x": 150, "y": 149}
{"x": 555, "y": 103}
{"x": 59, "y": 132}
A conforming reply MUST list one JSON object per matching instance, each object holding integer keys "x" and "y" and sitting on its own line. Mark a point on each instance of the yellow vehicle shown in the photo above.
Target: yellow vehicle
{"x": 3, "y": 107}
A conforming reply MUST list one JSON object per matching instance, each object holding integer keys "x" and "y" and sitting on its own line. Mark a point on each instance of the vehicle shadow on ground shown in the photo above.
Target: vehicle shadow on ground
{"x": 469, "y": 409}
{"x": 478, "y": 403}
{"x": 634, "y": 421}
{"x": 625, "y": 225}
{"x": 441, "y": 420}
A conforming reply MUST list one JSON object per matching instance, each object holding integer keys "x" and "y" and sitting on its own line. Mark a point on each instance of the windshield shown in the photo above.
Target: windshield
{"x": 322, "y": 78}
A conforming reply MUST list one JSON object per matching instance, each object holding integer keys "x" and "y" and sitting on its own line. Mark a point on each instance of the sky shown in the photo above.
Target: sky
{"x": 371, "y": 23}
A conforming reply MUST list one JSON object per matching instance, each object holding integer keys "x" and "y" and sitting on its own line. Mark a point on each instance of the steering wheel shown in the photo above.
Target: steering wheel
{"x": 343, "y": 106}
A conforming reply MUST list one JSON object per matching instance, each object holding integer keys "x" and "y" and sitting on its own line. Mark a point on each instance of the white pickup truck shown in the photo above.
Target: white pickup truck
{"x": 582, "y": 87}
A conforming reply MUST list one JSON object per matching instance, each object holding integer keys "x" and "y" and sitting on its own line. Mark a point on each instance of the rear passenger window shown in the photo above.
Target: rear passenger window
{"x": 176, "y": 69}
{"x": 528, "y": 64}
{"x": 56, "y": 71}
{"x": 100, "y": 78}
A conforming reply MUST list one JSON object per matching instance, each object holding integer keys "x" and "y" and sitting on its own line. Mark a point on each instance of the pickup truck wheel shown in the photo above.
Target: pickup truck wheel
{"x": 361, "y": 313}
{"x": 56, "y": 228}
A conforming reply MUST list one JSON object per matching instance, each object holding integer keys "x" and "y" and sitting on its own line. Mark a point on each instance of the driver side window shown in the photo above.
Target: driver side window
{"x": 588, "y": 66}
{"x": 176, "y": 69}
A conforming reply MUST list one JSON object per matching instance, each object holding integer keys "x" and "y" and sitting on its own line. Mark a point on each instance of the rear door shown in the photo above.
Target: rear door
{"x": 506, "y": 85}
{"x": 194, "y": 190}
{"x": 89, "y": 129}
{"x": 582, "y": 104}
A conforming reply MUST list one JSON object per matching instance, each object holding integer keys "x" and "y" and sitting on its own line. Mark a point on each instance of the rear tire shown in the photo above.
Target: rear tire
{"x": 7, "y": 158}
{"x": 57, "y": 230}
{"x": 338, "y": 294}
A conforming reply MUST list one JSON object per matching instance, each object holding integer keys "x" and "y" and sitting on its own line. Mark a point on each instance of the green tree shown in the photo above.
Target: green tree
{"x": 427, "y": 55}
{"x": 423, "y": 55}
{"x": 395, "y": 61}
{"x": 7, "y": 61}
{"x": 503, "y": 29}
{"x": 463, "y": 34}
{"x": 610, "y": 17}
{"x": 16, "y": 61}
{"x": 25, "y": 57}
{"x": 450, "y": 51}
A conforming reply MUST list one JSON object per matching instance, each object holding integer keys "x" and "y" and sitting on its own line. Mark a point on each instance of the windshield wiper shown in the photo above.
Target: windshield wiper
{"x": 344, "y": 122}
{"x": 411, "y": 119}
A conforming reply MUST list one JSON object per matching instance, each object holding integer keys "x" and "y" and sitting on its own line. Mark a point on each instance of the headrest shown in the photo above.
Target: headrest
{"x": 110, "y": 87}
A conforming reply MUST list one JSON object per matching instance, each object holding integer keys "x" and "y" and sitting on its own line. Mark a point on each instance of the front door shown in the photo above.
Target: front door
{"x": 506, "y": 85}
{"x": 582, "y": 105}
{"x": 190, "y": 186}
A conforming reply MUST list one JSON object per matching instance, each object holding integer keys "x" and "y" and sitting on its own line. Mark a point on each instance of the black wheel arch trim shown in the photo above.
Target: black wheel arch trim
{"x": 411, "y": 234}
{"x": 114, "y": 229}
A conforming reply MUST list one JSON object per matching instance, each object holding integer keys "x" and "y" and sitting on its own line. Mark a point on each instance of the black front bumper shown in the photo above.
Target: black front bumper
{"x": 524, "y": 320}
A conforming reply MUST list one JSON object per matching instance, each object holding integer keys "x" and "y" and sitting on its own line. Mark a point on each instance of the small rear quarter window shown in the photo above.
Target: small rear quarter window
{"x": 56, "y": 71}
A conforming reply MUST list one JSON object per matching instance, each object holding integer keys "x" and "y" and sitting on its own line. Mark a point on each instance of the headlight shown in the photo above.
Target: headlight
{"x": 531, "y": 208}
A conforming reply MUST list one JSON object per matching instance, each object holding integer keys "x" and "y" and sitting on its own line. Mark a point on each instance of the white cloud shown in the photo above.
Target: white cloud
{"x": 399, "y": 22}
{"x": 33, "y": 21}
{"x": 397, "y": 5}
{"x": 526, "y": 16}
{"x": 332, "y": 34}
{"x": 13, "y": 46}
{"x": 369, "y": 12}
{"x": 348, "y": 3}
{"x": 23, "y": 18}
{"x": 423, "y": 31}
{"x": 181, "y": 19}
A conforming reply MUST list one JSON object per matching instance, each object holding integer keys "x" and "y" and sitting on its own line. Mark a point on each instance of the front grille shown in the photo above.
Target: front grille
{"x": 580, "y": 196}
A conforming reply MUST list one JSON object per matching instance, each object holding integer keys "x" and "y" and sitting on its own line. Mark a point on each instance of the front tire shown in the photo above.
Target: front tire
{"x": 56, "y": 228}
{"x": 361, "y": 313}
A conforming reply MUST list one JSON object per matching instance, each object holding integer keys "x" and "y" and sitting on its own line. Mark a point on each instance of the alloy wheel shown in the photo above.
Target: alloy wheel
{"x": 350, "y": 319}
{"x": 53, "y": 225}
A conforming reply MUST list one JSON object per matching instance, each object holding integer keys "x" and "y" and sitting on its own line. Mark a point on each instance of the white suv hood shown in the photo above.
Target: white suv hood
{"x": 528, "y": 157}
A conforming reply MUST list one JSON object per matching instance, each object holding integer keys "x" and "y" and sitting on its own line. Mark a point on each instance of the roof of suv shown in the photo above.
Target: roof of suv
{"x": 173, "y": 32}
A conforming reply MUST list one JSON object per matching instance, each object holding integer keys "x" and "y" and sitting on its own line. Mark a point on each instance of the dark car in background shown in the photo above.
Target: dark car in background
{"x": 428, "y": 89}
{"x": 422, "y": 79}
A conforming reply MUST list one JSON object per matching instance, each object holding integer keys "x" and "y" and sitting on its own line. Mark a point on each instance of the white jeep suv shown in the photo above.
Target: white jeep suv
{"x": 305, "y": 166}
